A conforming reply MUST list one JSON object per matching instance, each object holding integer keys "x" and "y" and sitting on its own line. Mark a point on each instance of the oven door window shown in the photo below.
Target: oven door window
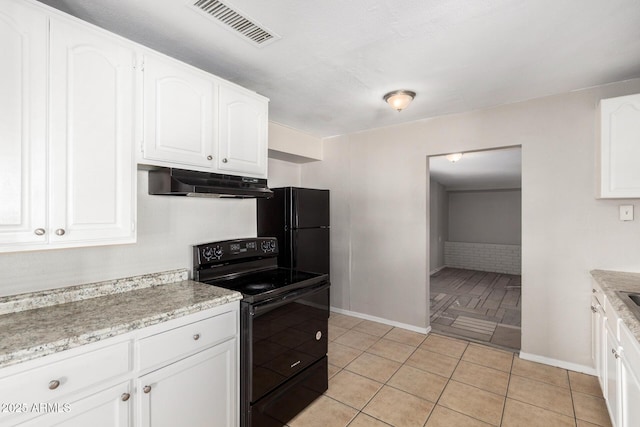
{"x": 288, "y": 335}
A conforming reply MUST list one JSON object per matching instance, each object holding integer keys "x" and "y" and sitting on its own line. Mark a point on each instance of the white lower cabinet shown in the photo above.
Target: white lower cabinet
{"x": 192, "y": 381}
{"x": 107, "y": 408}
{"x": 199, "y": 390}
{"x": 598, "y": 345}
{"x": 612, "y": 375}
{"x": 616, "y": 355}
{"x": 629, "y": 378}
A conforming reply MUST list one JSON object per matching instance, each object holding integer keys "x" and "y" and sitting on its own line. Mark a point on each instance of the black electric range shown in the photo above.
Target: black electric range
{"x": 284, "y": 326}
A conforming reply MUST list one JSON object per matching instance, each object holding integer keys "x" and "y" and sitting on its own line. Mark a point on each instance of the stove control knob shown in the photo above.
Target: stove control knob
{"x": 268, "y": 246}
{"x": 217, "y": 252}
{"x": 207, "y": 253}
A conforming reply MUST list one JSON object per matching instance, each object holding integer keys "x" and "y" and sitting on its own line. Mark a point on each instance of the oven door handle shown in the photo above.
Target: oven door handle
{"x": 286, "y": 299}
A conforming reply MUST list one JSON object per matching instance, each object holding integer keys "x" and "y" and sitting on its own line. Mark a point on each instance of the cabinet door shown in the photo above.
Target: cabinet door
{"x": 629, "y": 378}
{"x": 178, "y": 113}
{"x": 598, "y": 339}
{"x": 243, "y": 133}
{"x": 619, "y": 148}
{"x": 630, "y": 395}
{"x": 23, "y": 95}
{"x": 612, "y": 375}
{"x": 201, "y": 390}
{"x": 107, "y": 408}
{"x": 91, "y": 136}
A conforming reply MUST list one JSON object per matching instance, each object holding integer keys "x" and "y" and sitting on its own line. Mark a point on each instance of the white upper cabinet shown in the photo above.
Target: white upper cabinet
{"x": 178, "y": 104}
{"x": 23, "y": 149}
{"x": 194, "y": 120}
{"x": 67, "y": 170}
{"x": 619, "y": 133}
{"x": 242, "y": 146}
{"x": 92, "y": 193}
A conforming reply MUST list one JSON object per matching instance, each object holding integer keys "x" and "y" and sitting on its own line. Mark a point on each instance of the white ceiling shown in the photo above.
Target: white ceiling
{"x": 479, "y": 170}
{"x": 336, "y": 59}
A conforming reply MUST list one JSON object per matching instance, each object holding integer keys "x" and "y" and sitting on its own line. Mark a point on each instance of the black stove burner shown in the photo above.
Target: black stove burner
{"x": 268, "y": 283}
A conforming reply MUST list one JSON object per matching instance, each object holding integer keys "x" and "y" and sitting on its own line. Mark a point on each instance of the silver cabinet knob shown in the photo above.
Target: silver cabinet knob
{"x": 60, "y": 232}
{"x": 196, "y": 337}
{"x": 224, "y": 160}
{"x": 209, "y": 157}
{"x": 146, "y": 388}
{"x": 39, "y": 231}
{"x": 54, "y": 384}
{"x": 125, "y": 397}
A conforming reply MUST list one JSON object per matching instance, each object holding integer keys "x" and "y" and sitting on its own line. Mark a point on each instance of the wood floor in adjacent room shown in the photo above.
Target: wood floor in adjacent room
{"x": 477, "y": 305}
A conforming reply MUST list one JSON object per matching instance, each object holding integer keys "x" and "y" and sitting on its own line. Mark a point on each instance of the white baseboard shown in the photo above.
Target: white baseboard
{"x": 381, "y": 320}
{"x": 559, "y": 363}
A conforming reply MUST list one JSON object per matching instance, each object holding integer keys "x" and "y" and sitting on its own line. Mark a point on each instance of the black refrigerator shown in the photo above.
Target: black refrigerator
{"x": 299, "y": 219}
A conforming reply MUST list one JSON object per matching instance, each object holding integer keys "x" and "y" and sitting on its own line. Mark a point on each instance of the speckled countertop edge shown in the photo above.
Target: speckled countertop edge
{"x": 29, "y": 301}
{"x": 37, "y": 332}
{"x": 612, "y": 281}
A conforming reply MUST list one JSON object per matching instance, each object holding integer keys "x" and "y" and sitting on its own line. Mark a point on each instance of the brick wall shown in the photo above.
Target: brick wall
{"x": 483, "y": 257}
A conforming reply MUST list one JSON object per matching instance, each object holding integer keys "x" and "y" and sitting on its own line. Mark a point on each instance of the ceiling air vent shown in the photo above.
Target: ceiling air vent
{"x": 236, "y": 22}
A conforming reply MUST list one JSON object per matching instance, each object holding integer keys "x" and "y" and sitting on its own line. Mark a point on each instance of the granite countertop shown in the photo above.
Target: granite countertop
{"x": 38, "y": 324}
{"x": 612, "y": 281}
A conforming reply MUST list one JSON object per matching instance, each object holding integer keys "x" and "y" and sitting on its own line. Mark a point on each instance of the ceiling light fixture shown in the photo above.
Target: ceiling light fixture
{"x": 454, "y": 157}
{"x": 399, "y": 99}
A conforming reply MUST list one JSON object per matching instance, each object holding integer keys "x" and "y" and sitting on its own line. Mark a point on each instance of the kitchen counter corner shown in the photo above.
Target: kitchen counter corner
{"x": 612, "y": 281}
{"x": 46, "y": 328}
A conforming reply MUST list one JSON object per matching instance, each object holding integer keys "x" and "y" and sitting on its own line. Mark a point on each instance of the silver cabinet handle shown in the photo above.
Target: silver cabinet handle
{"x": 196, "y": 337}
{"x": 60, "y": 232}
{"x": 39, "y": 231}
{"x": 224, "y": 160}
{"x": 146, "y": 388}
{"x": 54, "y": 384}
{"x": 125, "y": 397}
{"x": 209, "y": 157}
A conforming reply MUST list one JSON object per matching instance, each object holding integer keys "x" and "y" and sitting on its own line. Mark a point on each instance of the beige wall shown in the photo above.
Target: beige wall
{"x": 380, "y": 236}
{"x": 485, "y": 216}
{"x": 283, "y": 174}
{"x": 438, "y": 224}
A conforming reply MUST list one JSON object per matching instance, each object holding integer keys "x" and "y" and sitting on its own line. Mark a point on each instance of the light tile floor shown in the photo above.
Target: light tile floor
{"x": 385, "y": 376}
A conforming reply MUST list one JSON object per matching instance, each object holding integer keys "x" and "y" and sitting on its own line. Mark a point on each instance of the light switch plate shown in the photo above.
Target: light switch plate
{"x": 626, "y": 212}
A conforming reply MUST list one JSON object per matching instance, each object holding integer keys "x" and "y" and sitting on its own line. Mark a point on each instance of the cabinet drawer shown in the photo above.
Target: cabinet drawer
{"x": 75, "y": 373}
{"x": 612, "y": 318}
{"x": 180, "y": 342}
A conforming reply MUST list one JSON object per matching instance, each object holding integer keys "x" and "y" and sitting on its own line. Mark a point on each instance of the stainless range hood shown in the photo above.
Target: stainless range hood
{"x": 180, "y": 182}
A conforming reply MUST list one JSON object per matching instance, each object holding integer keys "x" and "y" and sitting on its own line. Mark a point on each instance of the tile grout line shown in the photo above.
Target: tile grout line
{"x": 449, "y": 379}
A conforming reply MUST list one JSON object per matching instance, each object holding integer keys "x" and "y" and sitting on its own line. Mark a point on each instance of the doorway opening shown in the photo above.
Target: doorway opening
{"x": 475, "y": 246}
